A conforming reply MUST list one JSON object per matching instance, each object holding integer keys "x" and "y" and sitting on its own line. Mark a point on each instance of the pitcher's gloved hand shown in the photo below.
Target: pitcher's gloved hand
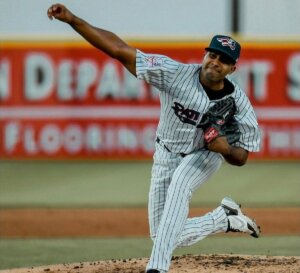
{"x": 219, "y": 121}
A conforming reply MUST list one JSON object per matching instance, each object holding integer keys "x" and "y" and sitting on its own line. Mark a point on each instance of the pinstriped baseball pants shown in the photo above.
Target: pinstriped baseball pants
{"x": 174, "y": 179}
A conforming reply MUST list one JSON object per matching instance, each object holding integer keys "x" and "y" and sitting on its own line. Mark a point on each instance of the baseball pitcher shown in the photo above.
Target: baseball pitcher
{"x": 205, "y": 119}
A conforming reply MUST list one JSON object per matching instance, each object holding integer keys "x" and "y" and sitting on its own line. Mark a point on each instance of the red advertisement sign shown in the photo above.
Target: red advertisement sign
{"x": 69, "y": 100}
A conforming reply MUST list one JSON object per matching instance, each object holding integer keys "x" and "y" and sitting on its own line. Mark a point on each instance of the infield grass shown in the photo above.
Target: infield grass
{"x": 27, "y": 253}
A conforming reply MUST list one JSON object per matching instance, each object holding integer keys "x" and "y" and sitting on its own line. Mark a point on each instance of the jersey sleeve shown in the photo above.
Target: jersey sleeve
{"x": 248, "y": 125}
{"x": 157, "y": 70}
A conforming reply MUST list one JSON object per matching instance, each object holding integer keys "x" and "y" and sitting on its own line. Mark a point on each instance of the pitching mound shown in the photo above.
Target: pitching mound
{"x": 186, "y": 263}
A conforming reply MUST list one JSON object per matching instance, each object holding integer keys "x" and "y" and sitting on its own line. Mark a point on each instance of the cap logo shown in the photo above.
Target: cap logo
{"x": 227, "y": 42}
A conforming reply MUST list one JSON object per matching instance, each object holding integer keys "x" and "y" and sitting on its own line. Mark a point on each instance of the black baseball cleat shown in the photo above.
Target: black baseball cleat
{"x": 152, "y": 271}
{"x": 237, "y": 221}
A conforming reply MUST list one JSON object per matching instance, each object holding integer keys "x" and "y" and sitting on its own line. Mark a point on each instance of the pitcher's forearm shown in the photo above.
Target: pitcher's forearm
{"x": 107, "y": 42}
{"x": 236, "y": 156}
{"x": 104, "y": 40}
{"x": 233, "y": 155}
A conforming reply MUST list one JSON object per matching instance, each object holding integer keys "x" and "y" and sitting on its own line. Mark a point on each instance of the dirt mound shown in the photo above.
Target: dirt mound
{"x": 182, "y": 264}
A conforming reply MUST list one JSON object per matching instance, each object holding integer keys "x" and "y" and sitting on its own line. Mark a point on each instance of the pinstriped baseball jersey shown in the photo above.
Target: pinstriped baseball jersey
{"x": 184, "y": 101}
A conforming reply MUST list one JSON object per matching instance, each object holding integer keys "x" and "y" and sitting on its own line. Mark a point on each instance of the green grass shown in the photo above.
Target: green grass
{"x": 74, "y": 184}
{"x": 114, "y": 184}
{"x": 37, "y": 252}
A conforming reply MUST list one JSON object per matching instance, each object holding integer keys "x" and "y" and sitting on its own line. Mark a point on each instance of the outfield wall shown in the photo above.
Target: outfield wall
{"x": 167, "y": 18}
{"x": 65, "y": 100}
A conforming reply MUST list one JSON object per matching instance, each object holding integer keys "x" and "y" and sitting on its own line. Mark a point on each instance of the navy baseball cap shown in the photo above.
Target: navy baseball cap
{"x": 225, "y": 45}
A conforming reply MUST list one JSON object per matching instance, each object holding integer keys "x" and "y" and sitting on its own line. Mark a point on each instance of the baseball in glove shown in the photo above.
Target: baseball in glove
{"x": 219, "y": 121}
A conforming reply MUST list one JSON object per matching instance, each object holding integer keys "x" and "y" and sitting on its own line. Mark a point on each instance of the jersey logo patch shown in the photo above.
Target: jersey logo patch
{"x": 153, "y": 61}
{"x": 189, "y": 116}
{"x": 227, "y": 42}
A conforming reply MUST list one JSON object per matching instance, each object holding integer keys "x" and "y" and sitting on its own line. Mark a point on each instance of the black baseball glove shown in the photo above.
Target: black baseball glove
{"x": 219, "y": 121}
{"x": 231, "y": 130}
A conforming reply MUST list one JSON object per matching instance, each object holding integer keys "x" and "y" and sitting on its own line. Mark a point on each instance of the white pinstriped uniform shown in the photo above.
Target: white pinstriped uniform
{"x": 181, "y": 163}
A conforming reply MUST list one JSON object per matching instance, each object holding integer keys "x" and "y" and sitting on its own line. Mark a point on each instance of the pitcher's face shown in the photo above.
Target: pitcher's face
{"x": 216, "y": 67}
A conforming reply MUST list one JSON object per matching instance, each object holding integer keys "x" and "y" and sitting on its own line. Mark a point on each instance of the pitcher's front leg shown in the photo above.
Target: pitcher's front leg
{"x": 163, "y": 169}
{"x": 193, "y": 171}
{"x": 172, "y": 222}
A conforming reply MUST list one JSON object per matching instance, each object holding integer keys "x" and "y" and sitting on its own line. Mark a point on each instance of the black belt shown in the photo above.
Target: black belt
{"x": 159, "y": 142}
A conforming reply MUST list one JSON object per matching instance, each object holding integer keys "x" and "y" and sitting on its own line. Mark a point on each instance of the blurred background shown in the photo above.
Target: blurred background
{"x": 77, "y": 131}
